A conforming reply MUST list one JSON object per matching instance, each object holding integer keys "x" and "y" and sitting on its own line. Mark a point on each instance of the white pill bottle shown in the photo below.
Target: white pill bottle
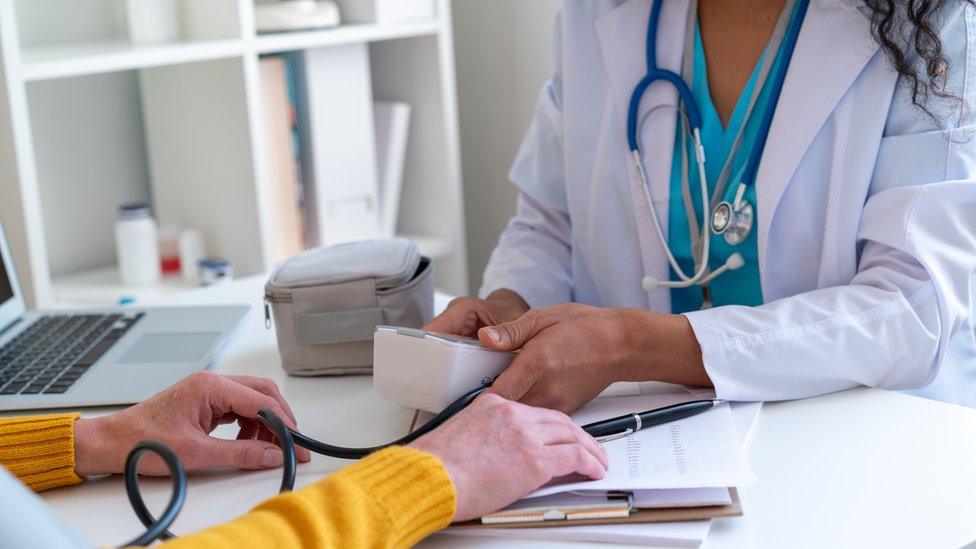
{"x": 153, "y": 21}
{"x": 137, "y": 245}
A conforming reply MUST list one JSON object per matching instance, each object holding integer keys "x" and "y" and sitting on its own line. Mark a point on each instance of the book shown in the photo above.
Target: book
{"x": 338, "y": 149}
{"x": 296, "y": 144}
{"x": 286, "y": 225}
{"x": 392, "y": 122}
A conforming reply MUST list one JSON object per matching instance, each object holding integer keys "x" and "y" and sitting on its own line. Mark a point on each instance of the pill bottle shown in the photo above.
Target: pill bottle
{"x": 191, "y": 252}
{"x": 137, "y": 245}
{"x": 214, "y": 270}
{"x": 169, "y": 249}
{"x": 152, "y": 21}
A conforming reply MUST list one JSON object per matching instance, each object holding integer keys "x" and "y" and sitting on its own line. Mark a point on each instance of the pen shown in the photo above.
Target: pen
{"x": 618, "y": 427}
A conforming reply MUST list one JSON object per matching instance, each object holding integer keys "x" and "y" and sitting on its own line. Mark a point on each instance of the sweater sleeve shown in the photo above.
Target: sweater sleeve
{"x": 40, "y": 450}
{"x": 394, "y": 498}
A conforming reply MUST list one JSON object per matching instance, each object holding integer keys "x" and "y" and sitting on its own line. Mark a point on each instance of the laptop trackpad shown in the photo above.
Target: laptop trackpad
{"x": 156, "y": 348}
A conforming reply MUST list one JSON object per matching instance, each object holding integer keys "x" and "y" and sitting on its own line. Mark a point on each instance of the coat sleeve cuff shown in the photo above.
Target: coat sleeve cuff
{"x": 714, "y": 355}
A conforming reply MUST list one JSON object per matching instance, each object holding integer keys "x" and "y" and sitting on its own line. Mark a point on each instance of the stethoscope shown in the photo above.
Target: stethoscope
{"x": 288, "y": 438}
{"x": 732, "y": 219}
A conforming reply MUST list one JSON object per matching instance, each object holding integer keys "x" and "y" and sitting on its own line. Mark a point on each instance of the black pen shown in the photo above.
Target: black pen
{"x": 610, "y": 429}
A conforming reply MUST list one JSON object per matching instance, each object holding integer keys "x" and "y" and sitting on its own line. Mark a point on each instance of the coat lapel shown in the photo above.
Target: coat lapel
{"x": 833, "y": 48}
{"x": 622, "y": 35}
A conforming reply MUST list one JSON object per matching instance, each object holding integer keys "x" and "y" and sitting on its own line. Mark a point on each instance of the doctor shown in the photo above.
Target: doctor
{"x": 775, "y": 198}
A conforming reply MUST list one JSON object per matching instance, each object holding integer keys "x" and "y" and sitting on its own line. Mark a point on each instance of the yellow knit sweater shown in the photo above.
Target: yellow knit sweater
{"x": 393, "y": 498}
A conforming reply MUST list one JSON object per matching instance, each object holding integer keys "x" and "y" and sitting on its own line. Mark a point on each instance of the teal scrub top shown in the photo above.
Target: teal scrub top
{"x": 740, "y": 287}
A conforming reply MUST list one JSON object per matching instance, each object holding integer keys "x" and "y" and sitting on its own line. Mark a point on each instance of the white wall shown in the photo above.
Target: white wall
{"x": 11, "y": 205}
{"x": 79, "y": 123}
{"x": 502, "y": 49}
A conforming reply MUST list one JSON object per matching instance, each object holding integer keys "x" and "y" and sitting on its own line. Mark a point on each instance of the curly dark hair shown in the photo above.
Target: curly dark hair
{"x": 908, "y": 32}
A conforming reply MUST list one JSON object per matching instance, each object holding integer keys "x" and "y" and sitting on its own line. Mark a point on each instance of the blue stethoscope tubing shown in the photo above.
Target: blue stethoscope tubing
{"x": 789, "y": 45}
{"x": 692, "y": 113}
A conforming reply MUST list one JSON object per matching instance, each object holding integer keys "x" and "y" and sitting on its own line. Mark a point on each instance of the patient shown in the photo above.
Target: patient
{"x": 486, "y": 457}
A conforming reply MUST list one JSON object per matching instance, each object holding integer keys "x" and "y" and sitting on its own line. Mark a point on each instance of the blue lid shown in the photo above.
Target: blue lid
{"x": 135, "y": 210}
{"x": 213, "y": 264}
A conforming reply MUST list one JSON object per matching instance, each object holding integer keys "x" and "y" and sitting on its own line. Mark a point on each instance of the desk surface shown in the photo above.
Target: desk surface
{"x": 859, "y": 468}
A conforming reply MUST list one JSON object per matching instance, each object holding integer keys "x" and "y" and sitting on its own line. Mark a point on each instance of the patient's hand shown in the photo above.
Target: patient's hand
{"x": 498, "y": 451}
{"x": 466, "y": 315}
{"x": 182, "y": 417}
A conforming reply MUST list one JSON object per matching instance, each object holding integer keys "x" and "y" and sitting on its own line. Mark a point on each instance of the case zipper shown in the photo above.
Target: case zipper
{"x": 270, "y": 298}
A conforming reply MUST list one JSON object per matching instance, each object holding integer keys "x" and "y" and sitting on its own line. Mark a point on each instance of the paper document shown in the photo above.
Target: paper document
{"x": 681, "y": 497}
{"x": 660, "y": 534}
{"x": 676, "y": 534}
{"x": 698, "y": 452}
{"x": 642, "y": 499}
{"x": 664, "y": 393}
{"x": 704, "y": 451}
{"x": 745, "y": 415}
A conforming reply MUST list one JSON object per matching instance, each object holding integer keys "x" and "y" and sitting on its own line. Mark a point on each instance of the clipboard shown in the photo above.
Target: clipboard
{"x": 639, "y": 516}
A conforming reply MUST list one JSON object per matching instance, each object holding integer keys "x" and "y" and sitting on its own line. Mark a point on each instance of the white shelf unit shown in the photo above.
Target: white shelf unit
{"x": 89, "y": 120}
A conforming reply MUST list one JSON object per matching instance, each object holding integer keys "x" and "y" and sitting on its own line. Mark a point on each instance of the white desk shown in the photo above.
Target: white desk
{"x": 864, "y": 468}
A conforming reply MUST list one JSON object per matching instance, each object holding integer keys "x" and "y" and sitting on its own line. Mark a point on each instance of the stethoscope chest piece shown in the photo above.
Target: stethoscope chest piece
{"x": 733, "y": 221}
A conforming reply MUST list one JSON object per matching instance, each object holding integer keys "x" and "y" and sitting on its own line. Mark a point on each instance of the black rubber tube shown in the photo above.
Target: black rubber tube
{"x": 155, "y": 529}
{"x": 287, "y": 440}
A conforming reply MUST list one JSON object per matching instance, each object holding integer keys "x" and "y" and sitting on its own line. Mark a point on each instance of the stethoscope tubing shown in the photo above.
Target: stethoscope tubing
{"x": 693, "y": 119}
{"x": 766, "y": 124}
{"x": 684, "y": 94}
{"x": 287, "y": 439}
{"x": 155, "y": 528}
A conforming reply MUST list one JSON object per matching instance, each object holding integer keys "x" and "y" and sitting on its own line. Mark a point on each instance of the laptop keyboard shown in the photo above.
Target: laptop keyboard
{"x": 56, "y": 350}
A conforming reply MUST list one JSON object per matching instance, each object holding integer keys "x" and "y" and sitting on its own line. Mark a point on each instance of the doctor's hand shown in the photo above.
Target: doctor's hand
{"x": 466, "y": 315}
{"x": 182, "y": 417}
{"x": 571, "y": 353}
{"x": 497, "y": 451}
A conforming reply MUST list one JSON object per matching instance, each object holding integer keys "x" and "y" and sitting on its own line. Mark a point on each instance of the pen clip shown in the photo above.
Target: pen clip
{"x": 615, "y": 436}
{"x": 617, "y": 495}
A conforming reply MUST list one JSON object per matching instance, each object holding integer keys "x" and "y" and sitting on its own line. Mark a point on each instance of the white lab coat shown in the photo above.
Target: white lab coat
{"x": 866, "y": 207}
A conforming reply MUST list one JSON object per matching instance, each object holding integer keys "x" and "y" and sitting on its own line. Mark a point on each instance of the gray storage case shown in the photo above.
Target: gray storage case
{"x": 328, "y": 301}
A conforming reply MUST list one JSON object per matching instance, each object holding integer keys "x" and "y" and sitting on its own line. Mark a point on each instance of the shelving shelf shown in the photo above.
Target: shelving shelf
{"x": 89, "y": 120}
{"x": 63, "y": 61}
{"x": 102, "y": 287}
{"x": 344, "y": 35}
{"x": 50, "y": 62}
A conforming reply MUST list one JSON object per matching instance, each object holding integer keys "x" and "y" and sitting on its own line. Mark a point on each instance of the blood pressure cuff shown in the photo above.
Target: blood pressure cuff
{"x": 327, "y": 303}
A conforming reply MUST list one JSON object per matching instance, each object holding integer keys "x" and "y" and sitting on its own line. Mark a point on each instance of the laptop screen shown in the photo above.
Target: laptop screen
{"x": 6, "y": 289}
{"x": 12, "y": 305}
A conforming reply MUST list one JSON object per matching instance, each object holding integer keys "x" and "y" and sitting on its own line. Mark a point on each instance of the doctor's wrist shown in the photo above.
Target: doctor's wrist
{"x": 661, "y": 347}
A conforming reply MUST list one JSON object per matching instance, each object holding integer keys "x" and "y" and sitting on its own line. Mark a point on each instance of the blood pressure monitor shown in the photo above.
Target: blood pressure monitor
{"x": 429, "y": 371}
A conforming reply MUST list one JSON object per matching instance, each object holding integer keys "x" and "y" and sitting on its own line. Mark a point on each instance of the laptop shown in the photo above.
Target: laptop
{"x": 101, "y": 357}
